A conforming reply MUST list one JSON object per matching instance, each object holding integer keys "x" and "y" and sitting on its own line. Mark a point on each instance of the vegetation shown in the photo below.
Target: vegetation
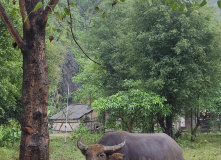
{"x": 206, "y": 147}
{"x": 131, "y": 109}
{"x": 160, "y": 60}
{"x": 10, "y": 73}
{"x": 9, "y": 134}
{"x": 175, "y": 55}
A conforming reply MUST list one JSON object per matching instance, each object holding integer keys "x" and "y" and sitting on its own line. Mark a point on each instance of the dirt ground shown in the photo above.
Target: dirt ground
{"x": 59, "y": 134}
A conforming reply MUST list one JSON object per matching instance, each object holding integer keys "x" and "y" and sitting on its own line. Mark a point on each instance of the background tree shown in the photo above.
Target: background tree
{"x": 10, "y": 73}
{"x": 179, "y": 58}
{"x": 104, "y": 42}
{"x": 10, "y": 86}
{"x": 133, "y": 108}
{"x": 175, "y": 54}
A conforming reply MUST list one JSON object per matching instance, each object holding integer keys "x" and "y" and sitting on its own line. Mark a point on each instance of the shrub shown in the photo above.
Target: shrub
{"x": 9, "y": 133}
{"x": 88, "y": 137}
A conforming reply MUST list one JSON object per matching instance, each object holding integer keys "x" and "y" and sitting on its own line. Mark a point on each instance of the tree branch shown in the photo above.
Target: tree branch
{"x": 128, "y": 127}
{"x": 24, "y": 14}
{"x": 12, "y": 30}
{"x": 72, "y": 33}
{"x": 50, "y": 7}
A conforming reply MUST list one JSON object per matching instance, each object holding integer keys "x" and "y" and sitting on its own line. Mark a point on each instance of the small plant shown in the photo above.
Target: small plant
{"x": 88, "y": 137}
{"x": 10, "y": 133}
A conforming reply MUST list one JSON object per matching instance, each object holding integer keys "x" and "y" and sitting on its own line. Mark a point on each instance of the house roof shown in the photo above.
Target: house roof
{"x": 74, "y": 112}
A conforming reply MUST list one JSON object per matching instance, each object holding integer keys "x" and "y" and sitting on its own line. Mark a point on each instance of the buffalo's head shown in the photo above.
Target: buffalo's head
{"x": 100, "y": 152}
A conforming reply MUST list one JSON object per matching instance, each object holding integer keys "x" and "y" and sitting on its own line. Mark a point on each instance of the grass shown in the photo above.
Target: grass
{"x": 59, "y": 150}
{"x": 9, "y": 153}
{"x": 207, "y": 146}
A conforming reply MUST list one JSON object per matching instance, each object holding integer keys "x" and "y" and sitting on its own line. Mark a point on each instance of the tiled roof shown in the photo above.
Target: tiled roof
{"x": 74, "y": 112}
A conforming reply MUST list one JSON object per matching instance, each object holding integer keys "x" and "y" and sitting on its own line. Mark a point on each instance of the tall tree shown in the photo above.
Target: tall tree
{"x": 178, "y": 55}
{"x": 35, "y": 137}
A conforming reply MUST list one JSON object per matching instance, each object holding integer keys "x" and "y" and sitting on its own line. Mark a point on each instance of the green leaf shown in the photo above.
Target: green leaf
{"x": 72, "y": 4}
{"x": 194, "y": 4}
{"x": 174, "y": 6}
{"x": 38, "y": 6}
{"x": 104, "y": 15}
{"x": 62, "y": 16}
{"x": 219, "y": 3}
{"x": 59, "y": 37}
{"x": 25, "y": 19}
{"x": 168, "y": 1}
{"x": 95, "y": 68}
{"x": 204, "y": 2}
{"x": 96, "y": 9}
{"x": 6, "y": 32}
{"x": 67, "y": 11}
{"x": 122, "y": 0}
{"x": 68, "y": 30}
{"x": 105, "y": 71}
{"x": 182, "y": 8}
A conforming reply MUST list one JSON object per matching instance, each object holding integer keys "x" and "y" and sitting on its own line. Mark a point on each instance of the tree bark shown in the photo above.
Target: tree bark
{"x": 166, "y": 124}
{"x": 34, "y": 143}
{"x": 169, "y": 123}
{"x": 35, "y": 138}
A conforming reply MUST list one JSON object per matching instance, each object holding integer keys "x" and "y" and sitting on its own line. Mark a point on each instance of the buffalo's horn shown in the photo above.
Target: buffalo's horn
{"x": 80, "y": 145}
{"x": 111, "y": 149}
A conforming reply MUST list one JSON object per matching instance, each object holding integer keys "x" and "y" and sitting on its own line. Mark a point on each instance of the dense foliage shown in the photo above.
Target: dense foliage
{"x": 175, "y": 54}
{"x": 10, "y": 133}
{"x": 10, "y": 72}
{"x": 132, "y": 109}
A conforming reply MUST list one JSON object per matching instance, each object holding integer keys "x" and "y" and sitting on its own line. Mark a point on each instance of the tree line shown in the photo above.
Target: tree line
{"x": 174, "y": 54}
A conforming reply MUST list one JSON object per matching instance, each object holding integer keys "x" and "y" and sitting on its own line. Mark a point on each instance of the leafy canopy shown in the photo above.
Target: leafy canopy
{"x": 131, "y": 107}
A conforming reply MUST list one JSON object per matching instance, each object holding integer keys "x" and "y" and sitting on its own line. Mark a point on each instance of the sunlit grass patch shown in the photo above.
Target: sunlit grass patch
{"x": 59, "y": 150}
{"x": 11, "y": 153}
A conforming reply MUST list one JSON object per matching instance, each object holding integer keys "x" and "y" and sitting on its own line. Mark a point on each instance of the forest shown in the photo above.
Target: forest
{"x": 143, "y": 63}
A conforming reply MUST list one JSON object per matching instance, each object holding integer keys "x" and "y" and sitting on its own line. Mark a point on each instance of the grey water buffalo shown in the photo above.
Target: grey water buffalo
{"x": 131, "y": 146}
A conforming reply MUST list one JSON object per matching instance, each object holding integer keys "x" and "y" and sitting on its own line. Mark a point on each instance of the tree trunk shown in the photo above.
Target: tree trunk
{"x": 169, "y": 124}
{"x": 34, "y": 143}
{"x": 166, "y": 124}
{"x": 35, "y": 137}
{"x": 191, "y": 124}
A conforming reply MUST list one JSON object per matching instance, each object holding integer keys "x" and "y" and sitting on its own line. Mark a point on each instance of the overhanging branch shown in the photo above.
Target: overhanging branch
{"x": 12, "y": 30}
{"x": 24, "y": 14}
{"x": 72, "y": 33}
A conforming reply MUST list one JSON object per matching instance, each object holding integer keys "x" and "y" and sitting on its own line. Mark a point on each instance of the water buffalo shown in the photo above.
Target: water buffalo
{"x": 131, "y": 146}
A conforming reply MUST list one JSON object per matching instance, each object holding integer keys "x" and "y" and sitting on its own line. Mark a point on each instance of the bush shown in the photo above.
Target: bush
{"x": 88, "y": 137}
{"x": 9, "y": 133}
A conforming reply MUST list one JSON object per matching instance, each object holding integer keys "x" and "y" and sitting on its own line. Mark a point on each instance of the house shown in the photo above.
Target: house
{"x": 76, "y": 114}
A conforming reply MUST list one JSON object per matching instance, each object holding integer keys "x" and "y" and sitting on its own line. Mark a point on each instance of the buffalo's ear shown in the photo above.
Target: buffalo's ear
{"x": 116, "y": 156}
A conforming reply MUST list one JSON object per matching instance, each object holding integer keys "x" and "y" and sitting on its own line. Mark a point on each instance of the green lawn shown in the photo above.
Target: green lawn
{"x": 205, "y": 147}
{"x": 59, "y": 150}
